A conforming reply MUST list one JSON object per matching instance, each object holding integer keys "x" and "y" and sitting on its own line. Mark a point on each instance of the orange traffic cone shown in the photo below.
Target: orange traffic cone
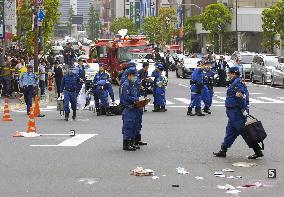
{"x": 31, "y": 123}
{"x": 6, "y": 114}
{"x": 37, "y": 108}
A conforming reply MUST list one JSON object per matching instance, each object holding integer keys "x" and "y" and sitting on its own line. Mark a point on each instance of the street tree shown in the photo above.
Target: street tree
{"x": 93, "y": 29}
{"x": 272, "y": 26}
{"x": 191, "y": 41}
{"x": 123, "y": 23}
{"x": 25, "y": 23}
{"x": 151, "y": 27}
{"x": 215, "y": 19}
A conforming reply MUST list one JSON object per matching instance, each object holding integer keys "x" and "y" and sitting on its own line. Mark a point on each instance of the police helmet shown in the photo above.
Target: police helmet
{"x": 131, "y": 64}
{"x": 159, "y": 66}
{"x": 131, "y": 70}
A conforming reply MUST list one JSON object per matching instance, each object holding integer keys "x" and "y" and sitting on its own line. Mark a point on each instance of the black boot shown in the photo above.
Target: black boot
{"x": 127, "y": 147}
{"x": 66, "y": 116}
{"x": 189, "y": 112}
{"x": 108, "y": 113}
{"x": 163, "y": 109}
{"x": 207, "y": 110}
{"x": 138, "y": 140}
{"x": 98, "y": 112}
{"x": 257, "y": 152}
{"x": 222, "y": 152}
{"x": 133, "y": 144}
{"x": 74, "y": 115}
{"x": 156, "y": 108}
{"x": 198, "y": 112}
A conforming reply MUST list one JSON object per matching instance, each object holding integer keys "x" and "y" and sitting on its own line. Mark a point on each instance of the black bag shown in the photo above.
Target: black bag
{"x": 254, "y": 132}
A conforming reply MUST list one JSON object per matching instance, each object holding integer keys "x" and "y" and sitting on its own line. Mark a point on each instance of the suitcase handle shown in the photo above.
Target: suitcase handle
{"x": 252, "y": 117}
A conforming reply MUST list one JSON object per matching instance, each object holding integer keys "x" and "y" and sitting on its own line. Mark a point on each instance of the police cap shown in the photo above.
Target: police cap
{"x": 234, "y": 70}
{"x": 131, "y": 70}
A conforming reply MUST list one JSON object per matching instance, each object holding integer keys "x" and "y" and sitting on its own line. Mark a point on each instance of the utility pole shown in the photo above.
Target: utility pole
{"x": 237, "y": 32}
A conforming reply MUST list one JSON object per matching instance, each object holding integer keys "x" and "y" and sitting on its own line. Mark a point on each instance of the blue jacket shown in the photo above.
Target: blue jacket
{"x": 101, "y": 76}
{"x": 129, "y": 93}
{"x": 70, "y": 82}
{"x": 197, "y": 76}
{"x": 232, "y": 101}
{"x": 81, "y": 72}
{"x": 28, "y": 79}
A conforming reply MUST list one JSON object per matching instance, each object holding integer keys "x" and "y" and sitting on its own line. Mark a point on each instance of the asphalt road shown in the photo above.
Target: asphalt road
{"x": 99, "y": 167}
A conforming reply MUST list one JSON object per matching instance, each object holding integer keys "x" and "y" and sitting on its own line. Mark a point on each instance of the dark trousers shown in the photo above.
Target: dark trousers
{"x": 42, "y": 87}
{"x": 58, "y": 85}
{"x": 28, "y": 95}
{"x": 7, "y": 85}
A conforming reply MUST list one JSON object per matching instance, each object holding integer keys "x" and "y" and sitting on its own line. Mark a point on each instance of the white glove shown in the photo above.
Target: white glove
{"x": 245, "y": 113}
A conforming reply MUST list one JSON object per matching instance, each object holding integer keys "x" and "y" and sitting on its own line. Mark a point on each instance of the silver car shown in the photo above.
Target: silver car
{"x": 278, "y": 76}
{"x": 263, "y": 66}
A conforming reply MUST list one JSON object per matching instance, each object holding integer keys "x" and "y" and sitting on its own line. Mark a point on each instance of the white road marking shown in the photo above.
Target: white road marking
{"x": 215, "y": 101}
{"x": 271, "y": 100}
{"x": 71, "y": 142}
{"x": 221, "y": 97}
{"x": 169, "y": 102}
{"x": 184, "y": 100}
{"x": 183, "y": 85}
{"x": 251, "y": 100}
{"x": 282, "y": 98}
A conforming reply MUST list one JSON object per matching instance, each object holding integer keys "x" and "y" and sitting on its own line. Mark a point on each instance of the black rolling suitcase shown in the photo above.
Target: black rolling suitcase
{"x": 114, "y": 109}
{"x": 254, "y": 132}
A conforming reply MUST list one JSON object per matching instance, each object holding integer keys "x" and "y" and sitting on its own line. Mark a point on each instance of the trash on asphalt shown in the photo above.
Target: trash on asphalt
{"x": 175, "y": 185}
{"x": 228, "y": 170}
{"x": 140, "y": 171}
{"x": 155, "y": 177}
{"x": 164, "y": 175}
{"x": 219, "y": 174}
{"x": 181, "y": 170}
{"x": 244, "y": 164}
{"x": 255, "y": 185}
{"x": 88, "y": 181}
{"x": 234, "y": 177}
{"x": 234, "y": 191}
{"x": 226, "y": 187}
{"x": 199, "y": 178}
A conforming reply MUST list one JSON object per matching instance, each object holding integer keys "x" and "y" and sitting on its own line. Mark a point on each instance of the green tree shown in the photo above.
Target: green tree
{"x": 272, "y": 26}
{"x": 151, "y": 27}
{"x": 93, "y": 28}
{"x": 24, "y": 24}
{"x": 123, "y": 23}
{"x": 191, "y": 41}
{"x": 215, "y": 19}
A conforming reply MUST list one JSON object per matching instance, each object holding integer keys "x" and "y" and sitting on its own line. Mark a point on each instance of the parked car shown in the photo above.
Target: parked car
{"x": 278, "y": 76}
{"x": 90, "y": 69}
{"x": 186, "y": 67}
{"x": 246, "y": 60}
{"x": 281, "y": 60}
{"x": 262, "y": 68}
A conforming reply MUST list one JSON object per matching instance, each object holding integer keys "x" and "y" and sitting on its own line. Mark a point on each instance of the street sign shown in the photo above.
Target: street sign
{"x": 137, "y": 13}
{"x": 131, "y": 11}
{"x": 2, "y": 27}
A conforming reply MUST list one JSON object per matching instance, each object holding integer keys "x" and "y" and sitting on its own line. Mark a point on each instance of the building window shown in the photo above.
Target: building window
{"x": 126, "y": 11}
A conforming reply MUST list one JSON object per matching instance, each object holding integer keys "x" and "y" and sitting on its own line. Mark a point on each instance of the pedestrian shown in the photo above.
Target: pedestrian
{"x": 58, "y": 76}
{"x": 68, "y": 88}
{"x": 7, "y": 76}
{"x": 167, "y": 63}
{"x": 42, "y": 76}
{"x": 239, "y": 65}
{"x": 159, "y": 89}
{"x": 28, "y": 81}
{"x": 129, "y": 95}
{"x": 69, "y": 54}
{"x": 80, "y": 70}
{"x": 101, "y": 84}
{"x": 143, "y": 77}
{"x": 237, "y": 110}
{"x": 221, "y": 70}
{"x": 197, "y": 88}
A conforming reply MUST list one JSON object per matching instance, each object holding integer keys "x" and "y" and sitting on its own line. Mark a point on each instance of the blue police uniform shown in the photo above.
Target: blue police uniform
{"x": 69, "y": 86}
{"x": 129, "y": 95}
{"x": 197, "y": 87}
{"x": 28, "y": 81}
{"x": 80, "y": 71}
{"x": 102, "y": 87}
{"x": 208, "y": 92}
{"x": 123, "y": 76}
{"x": 159, "y": 90}
{"x": 236, "y": 104}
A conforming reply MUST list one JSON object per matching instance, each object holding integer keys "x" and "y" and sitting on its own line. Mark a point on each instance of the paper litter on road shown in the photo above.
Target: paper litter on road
{"x": 219, "y": 174}
{"x": 199, "y": 178}
{"x": 234, "y": 177}
{"x": 88, "y": 181}
{"x": 256, "y": 185}
{"x": 228, "y": 170}
{"x": 155, "y": 177}
{"x": 139, "y": 171}
{"x": 181, "y": 170}
{"x": 234, "y": 191}
{"x": 226, "y": 187}
{"x": 164, "y": 175}
{"x": 244, "y": 164}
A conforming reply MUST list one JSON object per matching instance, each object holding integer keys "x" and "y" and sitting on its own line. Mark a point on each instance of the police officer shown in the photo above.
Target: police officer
{"x": 159, "y": 89}
{"x": 58, "y": 75}
{"x": 236, "y": 108}
{"x": 208, "y": 92}
{"x": 129, "y": 95}
{"x": 28, "y": 81}
{"x": 101, "y": 84}
{"x": 80, "y": 71}
{"x": 69, "y": 84}
{"x": 143, "y": 77}
{"x": 69, "y": 54}
{"x": 197, "y": 88}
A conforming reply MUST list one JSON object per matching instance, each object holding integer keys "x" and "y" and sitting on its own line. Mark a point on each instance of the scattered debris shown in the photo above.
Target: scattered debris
{"x": 88, "y": 181}
{"x": 257, "y": 184}
{"x": 139, "y": 171}
{"x": 164, "y": 175}
{"x": 175, "y": 185}
{"x": 219, "y": 174}
{"x": 199, "y": 178}
{"x": 228, "y": 170}
{"x": 181, "y": 170}
{"x": 155, "y": 177}
{"x": 226, "y": 187}
{"x": 234, "y": 191}
{"x": 234, "y": 177}
{"x": 244, "y": 164}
